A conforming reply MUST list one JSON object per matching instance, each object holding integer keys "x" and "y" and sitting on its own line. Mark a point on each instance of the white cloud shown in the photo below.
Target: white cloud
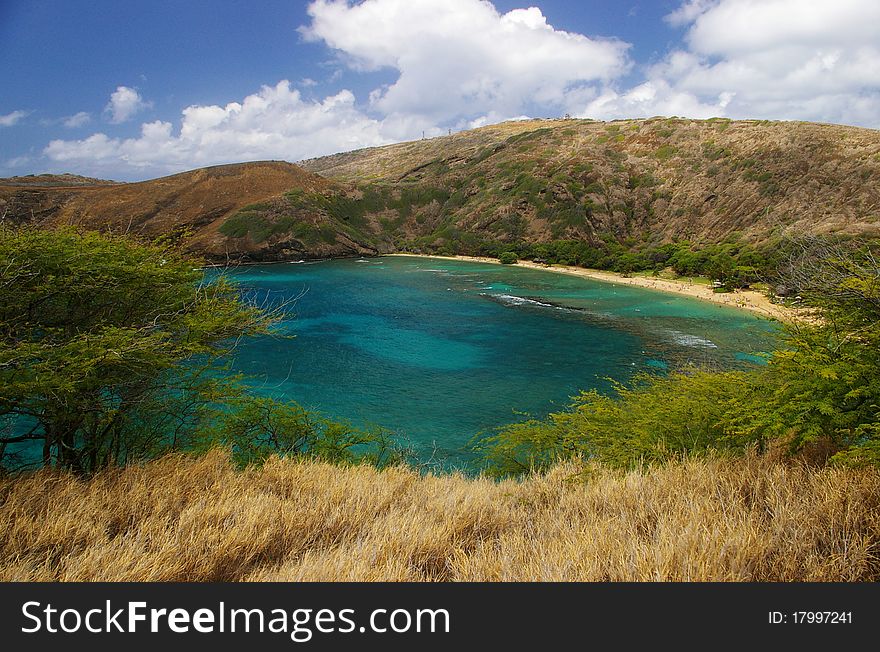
{"x": 460, "y": 59}
{"x": 275, "y": 123}
{"x": 458, "y": 64}
{"x": 11, "y": 119}
{"x": 776, "y": 59}
{"x": 124, "y": 104}
{"x": 735, "y": 27}
{"x": 76, "y": 120}
{"x": 655, "y": 97}
{"x": 11, "y": 165}
{"x": 688, "y": 12}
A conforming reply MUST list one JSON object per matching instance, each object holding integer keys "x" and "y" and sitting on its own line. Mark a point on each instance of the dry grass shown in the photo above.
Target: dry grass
{"x": 199, "y": 519}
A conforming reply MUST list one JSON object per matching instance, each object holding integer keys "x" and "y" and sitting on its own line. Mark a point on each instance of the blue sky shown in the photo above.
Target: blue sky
{"x": 133, "y": 90}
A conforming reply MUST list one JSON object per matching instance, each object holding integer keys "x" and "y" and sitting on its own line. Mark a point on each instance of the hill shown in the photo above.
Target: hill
{"x": 628, "y": 184}
{"x": 55, "y": 180}
{"x": 638, "y": 180}
{"x": 191, "y": 205}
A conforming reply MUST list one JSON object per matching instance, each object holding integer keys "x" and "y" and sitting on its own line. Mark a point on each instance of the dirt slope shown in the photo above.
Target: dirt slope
{"x": 192, "y": 204}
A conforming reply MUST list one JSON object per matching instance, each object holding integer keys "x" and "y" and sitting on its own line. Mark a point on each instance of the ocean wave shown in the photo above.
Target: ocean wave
{"x": 686, "y": 339}
{"x": 511, "y": 300}
{"x": 590, "y": 315}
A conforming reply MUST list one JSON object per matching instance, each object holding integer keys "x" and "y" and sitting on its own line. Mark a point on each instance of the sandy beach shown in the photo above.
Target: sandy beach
{"x": 750, "y": 300}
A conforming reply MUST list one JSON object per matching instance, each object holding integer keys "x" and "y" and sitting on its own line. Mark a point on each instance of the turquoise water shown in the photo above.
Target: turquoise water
{"x": 439, "y": 350}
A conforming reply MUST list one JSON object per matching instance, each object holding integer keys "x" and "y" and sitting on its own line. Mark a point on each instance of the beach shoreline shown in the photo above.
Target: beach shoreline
{"x": 750, "y": 300}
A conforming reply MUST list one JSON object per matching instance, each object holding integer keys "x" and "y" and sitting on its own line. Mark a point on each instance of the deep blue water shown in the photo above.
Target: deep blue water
{"x": 439, "y": 350}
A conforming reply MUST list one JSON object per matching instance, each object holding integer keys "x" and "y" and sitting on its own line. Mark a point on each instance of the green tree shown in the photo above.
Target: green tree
{"x": 720, "y": 267}
{"x": 255, "y": 428}
{"x": 825, "y": 383}
{"x": 106, "y": 345}
{"x": 628, "y": 263}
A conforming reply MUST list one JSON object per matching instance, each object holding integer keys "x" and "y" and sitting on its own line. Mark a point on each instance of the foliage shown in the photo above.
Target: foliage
{"x": 639, "y": 424}
{"x": 111, "y": 352}
{"x": 255, "y": 428}
{"x": 820, "y": 394}
{"x": 507, "y": 258}
{"x": 827, "y": 378}
{"x": 91, "y": 327}
{"x": 250, "y": 222}
{"x": 665, "y": 152}
{"x": 733, "y": 263}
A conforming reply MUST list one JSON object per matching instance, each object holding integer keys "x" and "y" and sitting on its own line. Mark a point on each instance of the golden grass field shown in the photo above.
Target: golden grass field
{"x": 200, "y": 519}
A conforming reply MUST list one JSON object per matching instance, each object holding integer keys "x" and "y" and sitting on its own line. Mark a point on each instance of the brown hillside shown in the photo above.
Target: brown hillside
{"x": 197, "y": 202}
{"x": 55, "y": 180}
{"x": 651, "y": 179}
{"x": 637, "y": 182}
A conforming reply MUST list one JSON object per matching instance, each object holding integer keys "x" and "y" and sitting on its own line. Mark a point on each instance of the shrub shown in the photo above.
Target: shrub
{"x": 658, "y": 419}
{"x": 254, "y": 224}
{"x": 665, "y": 152}
{"x": 103, "y": 341}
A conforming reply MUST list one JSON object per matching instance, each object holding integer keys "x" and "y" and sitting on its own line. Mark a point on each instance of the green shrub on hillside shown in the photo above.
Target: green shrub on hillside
{"x": 255, "y": 225}
{"x": 665, "y": 152}
{"x": 255, "y": 428}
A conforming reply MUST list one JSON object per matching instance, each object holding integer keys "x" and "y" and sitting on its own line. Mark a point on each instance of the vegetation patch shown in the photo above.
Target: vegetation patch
{"x": 665, "y": 152}
{"x": 256, "y": 225}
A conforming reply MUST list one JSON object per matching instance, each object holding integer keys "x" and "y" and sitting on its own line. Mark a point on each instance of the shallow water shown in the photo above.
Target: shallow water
{"x": 439, "y": 350}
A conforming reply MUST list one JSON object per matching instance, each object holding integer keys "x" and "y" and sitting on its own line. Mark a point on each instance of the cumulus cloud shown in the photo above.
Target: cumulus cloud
{"x": 76, "y": 120}
{"x": 14, "y": 165}
{"x": 461, "y": 64}
{"x": 735, "y": 27}
{"x": 274, "y": 123}
{"x": 124, "y": 104}
{"x": 778, "y": 59}
{"x": 687, "y": 12}
{"x": 656, "y": 97}
{"x": 11, "y": 119}
{"x": 460, "y": 59}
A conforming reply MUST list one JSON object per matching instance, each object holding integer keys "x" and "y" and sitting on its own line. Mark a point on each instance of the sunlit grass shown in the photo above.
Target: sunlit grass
{"x": 200, "y": 519}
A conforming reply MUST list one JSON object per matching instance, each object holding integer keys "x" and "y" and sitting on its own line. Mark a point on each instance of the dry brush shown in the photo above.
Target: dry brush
{"x": 184, "y": 518}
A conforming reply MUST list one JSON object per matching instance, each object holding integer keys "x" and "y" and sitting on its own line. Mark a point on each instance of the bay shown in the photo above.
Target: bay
{"x": 440, "y": 350}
